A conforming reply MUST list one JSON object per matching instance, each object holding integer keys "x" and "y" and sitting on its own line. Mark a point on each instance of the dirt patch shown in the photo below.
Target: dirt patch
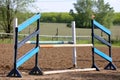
{"x": 59, "y": 58}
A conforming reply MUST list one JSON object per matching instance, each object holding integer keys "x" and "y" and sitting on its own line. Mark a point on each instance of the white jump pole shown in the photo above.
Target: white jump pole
{"x": 68, "y": 70}
{"x": 74, "y": 42}
{"x": 66, "y": 45}
{"x": 15, "y": 24}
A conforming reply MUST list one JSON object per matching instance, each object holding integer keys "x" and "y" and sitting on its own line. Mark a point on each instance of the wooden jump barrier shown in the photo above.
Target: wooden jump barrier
{"x": 18, "y": 62}
{"x": 52, "y": 44}
{"x": 36, "y": 70}
{"x": 108, "y": 58}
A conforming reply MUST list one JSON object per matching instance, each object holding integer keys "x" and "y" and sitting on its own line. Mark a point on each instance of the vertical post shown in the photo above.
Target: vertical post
{"x": 92, "y": 34}
{"x": 15, "y": 41}
{"x": 110, "y": 54}
{"x": 14, "y": 71}
{"x": 36, "y": 70}
{"x": 93, "y": 55}
{"x": 37, "y": 43}
{"x": 109, "y": 38}
{"x": 74, "y": 42}
{"x": 110, "y": 66}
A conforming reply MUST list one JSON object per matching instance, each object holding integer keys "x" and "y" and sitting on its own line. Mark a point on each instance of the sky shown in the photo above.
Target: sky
{"x": 65, "y": 5}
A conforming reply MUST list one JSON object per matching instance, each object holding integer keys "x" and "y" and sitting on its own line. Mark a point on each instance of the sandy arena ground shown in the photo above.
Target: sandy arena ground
{"x": 57, "y": 59}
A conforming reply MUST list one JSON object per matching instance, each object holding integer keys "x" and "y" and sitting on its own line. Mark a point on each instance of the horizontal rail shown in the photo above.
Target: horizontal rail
{"x": 51, "y": 42}
{"x": 70, "y": 70}
{"x": 66, "y": 45}
{"x": 59, "y": 36}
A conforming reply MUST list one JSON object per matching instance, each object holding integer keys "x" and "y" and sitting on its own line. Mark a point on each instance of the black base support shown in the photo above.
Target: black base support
{"x": 14, "y": 73}
{"x": 36, "y": 71}
{"x": 94, "y": 66}
{"x": 110, "y": 66}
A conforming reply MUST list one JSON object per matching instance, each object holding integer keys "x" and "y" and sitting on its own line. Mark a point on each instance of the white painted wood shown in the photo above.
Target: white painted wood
{"x": 69, "y": 70}
{"x": 66, "y": 45}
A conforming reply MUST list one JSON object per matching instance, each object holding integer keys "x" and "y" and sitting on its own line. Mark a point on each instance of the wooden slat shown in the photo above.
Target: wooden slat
{"x": 68, "y": 70}
{"x": 66, "y": 45}
{"x": 102, "y": 40}
{"x": 28, "y": 22}
{"x": 27, "y": 56}
{"x": 103, "y": 55}
{"x": 98, "y": 25}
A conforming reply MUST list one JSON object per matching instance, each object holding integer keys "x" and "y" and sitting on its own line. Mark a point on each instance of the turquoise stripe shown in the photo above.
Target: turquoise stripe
{"x": 103, "y": 55}
{"x": 27, "y": 56}
{"x": 48, "y": 42}
{"x": 102, "y": 27}
{"x": 28, "y": 22}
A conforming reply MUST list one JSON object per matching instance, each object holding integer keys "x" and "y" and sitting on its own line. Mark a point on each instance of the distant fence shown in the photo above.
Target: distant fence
{"x": 50, "y": 37}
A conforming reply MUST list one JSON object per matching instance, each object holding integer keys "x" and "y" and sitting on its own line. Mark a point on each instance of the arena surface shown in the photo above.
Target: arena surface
{"x": 59, "y": 59}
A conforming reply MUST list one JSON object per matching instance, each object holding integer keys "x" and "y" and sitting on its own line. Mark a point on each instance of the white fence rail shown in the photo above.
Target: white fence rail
{"x": 51, "y": 37}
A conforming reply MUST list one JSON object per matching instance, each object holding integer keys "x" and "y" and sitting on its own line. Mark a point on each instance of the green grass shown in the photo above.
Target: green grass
{"x": 6, "y": 41}
{"x": 114, "y": 44}
{"x": 51, "y": 29}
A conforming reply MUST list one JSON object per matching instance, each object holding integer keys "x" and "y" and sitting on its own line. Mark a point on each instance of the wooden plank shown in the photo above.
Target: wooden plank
{"x": 102, "y": 40}
{"x": 103, "y": 55}
{"x": 27, "y": 56}
{"x": 21, "y": 43}
{"x": 68, "y": 70}
{"x": 51, "y": 42}
{"x": 98, "y": 25}
{"x": 66, "y": 45}
{"x": 28, "y": 22}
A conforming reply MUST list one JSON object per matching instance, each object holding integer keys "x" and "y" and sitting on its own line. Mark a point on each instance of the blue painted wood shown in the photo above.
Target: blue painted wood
{"x": 103, "y": 55}
{"x": 28, "y": 22}
{"x": 102, "y": 40}
{"x": 52, "y": 42}
{"x": 27, "y": 56}
{"x": 27, "y": 38}
{"x": 98, "y": 25}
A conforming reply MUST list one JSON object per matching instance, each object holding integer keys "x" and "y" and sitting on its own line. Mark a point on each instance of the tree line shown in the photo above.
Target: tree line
{"x": 53, "y": 17}
{"x": 56, "y": 17}
{"x": 85, "y": 10}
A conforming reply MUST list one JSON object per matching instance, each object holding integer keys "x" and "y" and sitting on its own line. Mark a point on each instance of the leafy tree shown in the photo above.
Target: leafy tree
{"x": 104, "y": 13}
{"x": 86, "y": 8}
{"x": 84, "y": 12}
{"x": 9, "y": 9}
{"x": 116, "y": 19}
{"x": 56, "y": 17}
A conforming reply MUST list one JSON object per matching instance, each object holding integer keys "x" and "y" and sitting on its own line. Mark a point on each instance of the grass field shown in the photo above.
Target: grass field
{"x": 51, "y": 29}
